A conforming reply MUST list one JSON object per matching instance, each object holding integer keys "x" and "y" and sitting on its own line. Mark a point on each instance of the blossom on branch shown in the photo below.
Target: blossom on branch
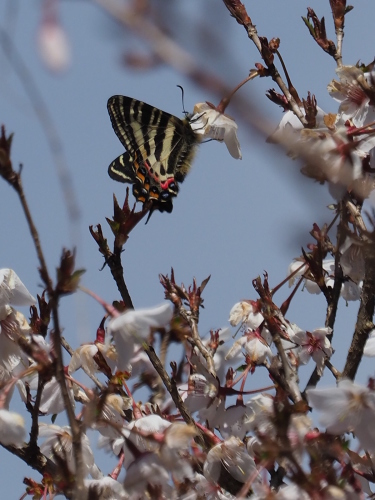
{"x": 58, "y": 445}
{"x": 12, "y": 429}
{"x": 133, "y": 327}
{"x": 349, "y": 407}
{"x": 353, "y": 92}
{"x": 313, "y": 345}
{"x": 13, "y": 291}
{"x": 211, "y": 124}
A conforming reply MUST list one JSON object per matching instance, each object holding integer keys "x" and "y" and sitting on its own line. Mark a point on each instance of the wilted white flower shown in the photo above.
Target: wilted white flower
{"x": 211, "y": 124}
{"x": 246, "y": 312}
{"x": 203, "y": 394}
{"x": 233, "y": 421}
{"x": 349, "y": 407}
{"x": 12, "y": 428}
{"x": 13, "y": 325}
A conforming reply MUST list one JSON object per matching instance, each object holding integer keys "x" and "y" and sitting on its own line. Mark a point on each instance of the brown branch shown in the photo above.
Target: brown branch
{"x": 35, "y": 414}
{"x": 14, "y": 179}
{"x": 238, "y": 10}
{"x": 37, "y": 461}
{"x": 365, "y": 314}
{"x": 274, "y": 319}
{"x": 172, "y": 388}
{"x": 115, "y": 265}
{"x": 16, "y": 182}
{"x": 60, "y": 377}
{"x": 333, "y": 295}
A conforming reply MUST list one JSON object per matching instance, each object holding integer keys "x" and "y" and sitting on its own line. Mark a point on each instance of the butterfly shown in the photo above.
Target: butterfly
{"x": 159, "y": 150}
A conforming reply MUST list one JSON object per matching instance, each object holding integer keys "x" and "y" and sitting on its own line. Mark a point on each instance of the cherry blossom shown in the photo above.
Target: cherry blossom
{"x": 255, "y": 346}
{"x": 12, "y": 290}
{"x": 352, "y": 92}
{"x": 211, "y": 124}
{"x": 143, "y": 427}
{"x": 105, "y": 488}
{"x": 313, "y": 344}
{"x": 246, "y": 312}
{"x": 58, "y": 443}
{"x": 350, "y": 289}
{"x": 290, "y": 126}
{"x": 133, "y": 327}
{"x": 232, "y": 455}
{"x": 349, "y": 407}
{"x": 146, "y": 469}
{"x": 12, "y": 428}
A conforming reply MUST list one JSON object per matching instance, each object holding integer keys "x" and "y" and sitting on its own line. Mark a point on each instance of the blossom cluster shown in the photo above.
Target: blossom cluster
{"x": 236, "y": 437}
{"x": 203, "y": 427}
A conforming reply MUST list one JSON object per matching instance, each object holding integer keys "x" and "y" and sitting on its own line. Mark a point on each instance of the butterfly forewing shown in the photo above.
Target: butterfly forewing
{"x": 159, "y": 148}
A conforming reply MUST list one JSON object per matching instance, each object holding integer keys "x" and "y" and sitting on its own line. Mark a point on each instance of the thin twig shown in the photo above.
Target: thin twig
{"x": 173, "y": 391}
{"x": 17, "y": 185}
{"x": 333, "y": 295}
{"x": 60, "y": 377}
{"x": 35, "y": 414}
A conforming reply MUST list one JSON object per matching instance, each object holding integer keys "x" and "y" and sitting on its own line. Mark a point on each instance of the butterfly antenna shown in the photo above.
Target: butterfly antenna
{"x": 182, "y": 96}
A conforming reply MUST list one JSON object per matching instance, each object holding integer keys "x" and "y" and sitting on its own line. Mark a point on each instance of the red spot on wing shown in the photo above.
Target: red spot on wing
{"x": 167, "y": 183}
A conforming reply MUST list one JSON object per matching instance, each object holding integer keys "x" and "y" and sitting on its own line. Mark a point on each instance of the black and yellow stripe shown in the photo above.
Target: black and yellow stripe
{"x": 160, "y": 148}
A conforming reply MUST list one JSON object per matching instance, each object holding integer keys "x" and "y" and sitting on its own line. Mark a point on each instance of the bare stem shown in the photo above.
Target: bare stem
{"x": 74, "y": 425}
{"x": 35, "y": 414}
{"x": 173, "y": 391}
{"x": 17, "y": 185}
{"x": 365, "y": 315}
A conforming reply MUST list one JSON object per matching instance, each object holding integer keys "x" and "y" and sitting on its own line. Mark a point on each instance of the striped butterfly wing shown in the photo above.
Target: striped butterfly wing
{"x": 159, "y": 147}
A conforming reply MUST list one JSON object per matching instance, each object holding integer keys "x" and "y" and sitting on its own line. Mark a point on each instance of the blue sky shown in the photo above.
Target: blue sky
{"x": 232, "y": 219}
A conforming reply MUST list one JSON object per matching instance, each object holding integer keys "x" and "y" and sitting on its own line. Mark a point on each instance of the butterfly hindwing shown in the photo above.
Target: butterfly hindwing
{"x": 159, "y": 148}
{"x": 121, "y": 169}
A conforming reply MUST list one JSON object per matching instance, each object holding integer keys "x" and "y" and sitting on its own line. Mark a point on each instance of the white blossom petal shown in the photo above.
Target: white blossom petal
{"x": 12, "y": 290}
{"x": 209, "y": 123}
{"x": 12, "y": 429}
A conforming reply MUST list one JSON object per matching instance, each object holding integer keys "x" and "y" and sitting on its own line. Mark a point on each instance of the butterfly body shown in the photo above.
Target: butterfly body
{"x": 159, "y": 150}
